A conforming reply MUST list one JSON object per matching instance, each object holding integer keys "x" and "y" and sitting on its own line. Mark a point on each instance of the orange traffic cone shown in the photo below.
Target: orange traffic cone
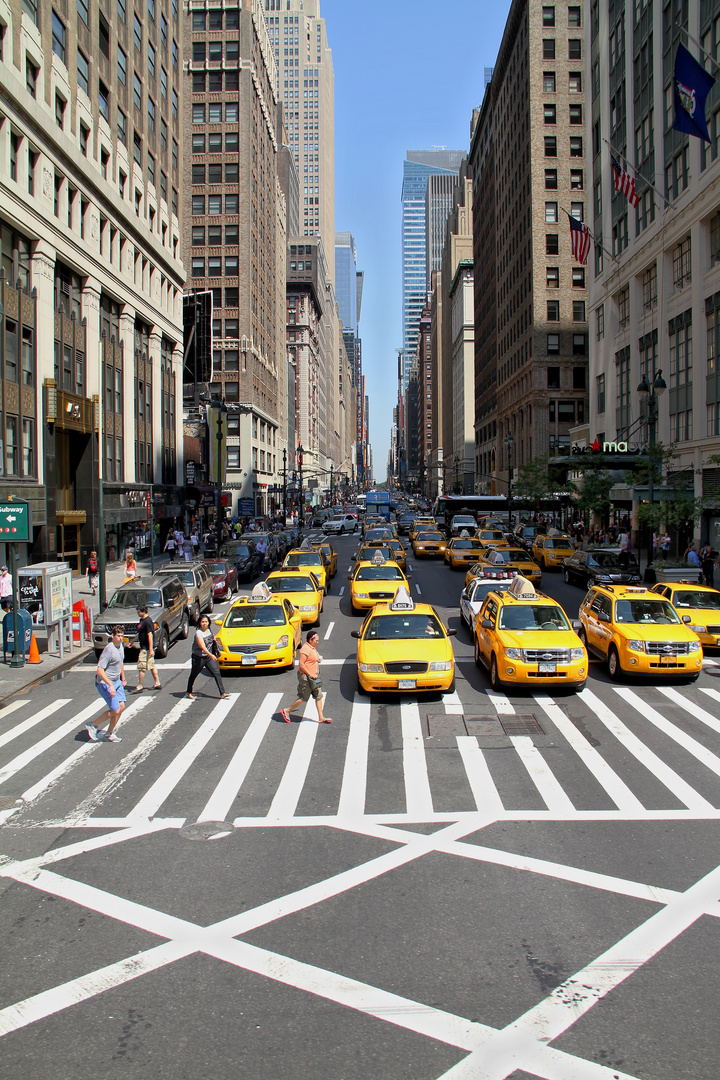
{"x": 34, "y": 656}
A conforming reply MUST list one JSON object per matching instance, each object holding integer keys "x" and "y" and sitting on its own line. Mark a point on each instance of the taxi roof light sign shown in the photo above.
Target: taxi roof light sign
{"x": 403, "y": 601}
{"x": 522, "y": 589}
{"x": 261, "y": 592}
{"x": 378, "y": 559}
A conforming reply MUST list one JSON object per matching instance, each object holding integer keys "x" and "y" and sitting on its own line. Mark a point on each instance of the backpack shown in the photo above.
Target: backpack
{"x": 92, "y": 566}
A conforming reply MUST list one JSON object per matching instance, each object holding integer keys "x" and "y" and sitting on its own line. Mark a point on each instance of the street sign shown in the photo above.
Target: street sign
{"x": 14, "y": 520}
{"x": 190, "y": 472}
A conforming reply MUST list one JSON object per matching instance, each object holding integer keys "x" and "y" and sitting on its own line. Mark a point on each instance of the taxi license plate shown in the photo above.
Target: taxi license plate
{"x": 248, "y": 661}
{"x": 547, "y": 669}
{"x": 126, "y": 641}
{"x": 407, "y": 684}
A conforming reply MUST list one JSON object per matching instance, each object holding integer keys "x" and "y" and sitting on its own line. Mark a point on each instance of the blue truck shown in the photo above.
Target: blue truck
{"x": 378, "y": 502}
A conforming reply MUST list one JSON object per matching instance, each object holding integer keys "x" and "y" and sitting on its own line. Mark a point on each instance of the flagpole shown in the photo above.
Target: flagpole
{"x": 668, "y": 204}
{"x": 697, "y": 44}
{"x": 592, "y": 236}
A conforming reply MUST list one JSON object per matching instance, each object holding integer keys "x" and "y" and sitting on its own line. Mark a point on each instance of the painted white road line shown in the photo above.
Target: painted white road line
{"x": 31, "y": 721}
{"x": 329, "y": 631}
{"x": 55, "y": 736}
{"x": 293, "y": 779}
{"x": 551, "y": 791}
{"x": 691, "y": 707}
{"x": 342, "y": 590}
{"x": 453, "y": 704}
{"x": 654, "y": 764}
{"x": 486, "y": 795}
{"x": 608, "y": 779}
{"x": 687, "y": 742}
{"x": 81, "y": 847}
{"x": 522, "y": 1045}
{"x": 161, "y": 666}
{"x": 501, "y": 703}
{"x": 354, "y": 781}
{"x": 418, "y": 589}
{"x": 418, "y": 799}
{"x": 168, "y": 780}
{"x": 233, "y": 778}
{"x": 6, "y": 710}
{"x": 714, "y": 694}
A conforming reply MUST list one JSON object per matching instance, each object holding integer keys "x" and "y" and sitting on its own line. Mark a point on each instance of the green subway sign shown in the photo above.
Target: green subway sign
{"x": 14, "y": 521}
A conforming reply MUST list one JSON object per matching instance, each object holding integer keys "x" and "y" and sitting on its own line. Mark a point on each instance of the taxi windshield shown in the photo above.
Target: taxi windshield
{"x": 558, "y": 542}
{"x": 507, "y": 555}
{"x": 377, "y": 534}
{"x": 429, "y": 536}
{"x": 403, "y": 626}
{"x": 366, "y": 553}
{"x": 255, "y": 615}
{"x": 463, "y": 544}
{"x": 701, "y": 599}
{"x": 304, "y": 558}
{"x": 491, "y": 534}
{"x": 379, "y": 573}
{"x": 291, "y": 583}
{"x": 645, "y": 611}
{"x": 533, "y": 617}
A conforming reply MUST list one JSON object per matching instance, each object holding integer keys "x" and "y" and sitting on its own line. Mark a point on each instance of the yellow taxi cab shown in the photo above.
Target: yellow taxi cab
{"x": 404, "y": 647}
{"x": 392, "y": 550}
{"x": 371, "y": 522}
{"x": 491, "y": 538}
{"x": 380, "y": 532}
{"x": 492, "y": 523}
{"x": 638, "y": 633}
{"x": 374, "y": 581}
{"x": 422, "y": 524}
{"x": 462, "y": 551}
{"x": 525, "y": 638}
{"x": 326, "y": 549}
{"x": 309, "y": 560}
{"x": 550, "y": 550}
{"x": 429, "y": 542}
{"x": 698, "y": 607}
{"x": 301, "y": 587}
{"x": 511, "y": 558}
{"x": 259, "y": 630}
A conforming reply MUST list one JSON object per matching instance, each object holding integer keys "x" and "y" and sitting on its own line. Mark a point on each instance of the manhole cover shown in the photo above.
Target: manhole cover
{"x": 207, "y": 830}
{"x": 521, "y": 725}
{"x": 445, "y": 726}
{"x": 8, "y": 802}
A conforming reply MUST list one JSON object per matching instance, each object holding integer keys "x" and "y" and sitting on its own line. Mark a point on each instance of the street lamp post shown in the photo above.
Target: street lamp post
{"x": 222, "y": 408}
{"x": 509, "y": 443}
{"x": 652, "y": 399}
{"x": 331, "y": 485}
{"x": 284, "y": 487}
{"x": 301, "y": 514}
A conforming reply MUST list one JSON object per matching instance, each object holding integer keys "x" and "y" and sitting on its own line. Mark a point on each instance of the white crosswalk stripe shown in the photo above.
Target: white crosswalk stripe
{"x": 624, "y": 739}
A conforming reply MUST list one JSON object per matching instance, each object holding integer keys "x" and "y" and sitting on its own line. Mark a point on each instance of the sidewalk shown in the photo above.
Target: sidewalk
{"x": 20, "y": 680}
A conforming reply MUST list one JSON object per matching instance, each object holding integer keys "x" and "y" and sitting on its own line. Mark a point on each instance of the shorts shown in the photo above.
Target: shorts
{"x": 113, "y": 701}
{"x": 146, "y": 660}
{"x": 303, "y": 689}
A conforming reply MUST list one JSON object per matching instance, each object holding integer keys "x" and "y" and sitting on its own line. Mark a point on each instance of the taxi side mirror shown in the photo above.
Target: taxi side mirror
{"x": 450, "y": 633}
{"x": 353, "y": 557}
{"x": 577, "y": 626}
{"x": 686, "y": 619}
{"x": 349, "y": 577}
{"x": 219, "y": 622}
{"x": 355, "y": 633}
{"x": 487, "y": 624}
{"x": 603, "y": 616}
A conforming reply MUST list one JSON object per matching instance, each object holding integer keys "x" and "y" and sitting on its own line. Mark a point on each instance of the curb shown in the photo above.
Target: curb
{"x": 65, "y": 665}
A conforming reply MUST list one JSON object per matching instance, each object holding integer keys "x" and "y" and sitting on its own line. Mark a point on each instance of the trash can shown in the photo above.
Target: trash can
{"x": 25, "y": 627}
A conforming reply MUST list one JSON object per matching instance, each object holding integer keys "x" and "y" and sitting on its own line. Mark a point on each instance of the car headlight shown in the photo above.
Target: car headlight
{"x": 577, "y": 654}
{"x": 361, "y": 595}
{"x": 513, "y": 654}
{"x": 282, "y": 642}
{"x": 440, "y": 665}
{"x": 307, "y": 607}
{"x": 637, "y": 646}
{"x": 371, "y": 669}
{"x": 604, "y": 577}
{"x": 694, "y": 646}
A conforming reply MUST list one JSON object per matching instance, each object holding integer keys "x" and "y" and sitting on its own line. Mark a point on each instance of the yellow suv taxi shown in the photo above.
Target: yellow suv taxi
{"x": 549, "y": 551}
{"x": 260, "y": 630}
{"x": 462, "y": 551}
{"x": 638, "y": 633}
{"x": 375, "y": 581}
{"x": 404, "y": 646}
{"x": 698, "y": 607}
{"x": 325, "y": 548}
{"x": 301, "y": 588}
{"x": 309, "y": 560}
{"x": 509, "y": 558}
{"x": 491, "y": 538}
{"x": 524, "y": 638}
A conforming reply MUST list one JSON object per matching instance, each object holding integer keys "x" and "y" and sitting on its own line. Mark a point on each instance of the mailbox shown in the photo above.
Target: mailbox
{"x": 25, "y": 626}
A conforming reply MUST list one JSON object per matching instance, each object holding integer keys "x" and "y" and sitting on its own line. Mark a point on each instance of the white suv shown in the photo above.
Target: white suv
{"x": 462, "y": 522}
{"x": 341, "y": 524}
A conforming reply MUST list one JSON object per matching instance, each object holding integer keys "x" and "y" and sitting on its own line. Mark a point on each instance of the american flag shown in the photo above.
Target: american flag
{"x": 624, "y": 182}
{"x": 580, "y": 237}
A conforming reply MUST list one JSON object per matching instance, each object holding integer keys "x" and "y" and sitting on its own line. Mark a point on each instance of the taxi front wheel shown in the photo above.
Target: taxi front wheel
{"x": 566, "y": 575}
{"x": 616, "y": 671}
{"x": 583, "y": 636}
{"x": 478, "y": 658}
{"x": 495, "y": 681}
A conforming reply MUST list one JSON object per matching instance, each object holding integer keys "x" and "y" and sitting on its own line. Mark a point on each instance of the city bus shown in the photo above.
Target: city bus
{"x": 378, "y": 502}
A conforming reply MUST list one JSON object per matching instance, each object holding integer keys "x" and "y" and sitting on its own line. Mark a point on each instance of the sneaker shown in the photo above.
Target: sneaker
{"x": 112, "y": 738}
{"x": 92, "y": 731}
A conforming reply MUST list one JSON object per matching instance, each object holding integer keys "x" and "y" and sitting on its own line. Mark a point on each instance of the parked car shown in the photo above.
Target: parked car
{"x": 166, "y": 600}
{"x": 225, "y": 578}
{"x": 598, "y": 567}
{"x": 244, "y": 556}
{"x": 198, "y": 586}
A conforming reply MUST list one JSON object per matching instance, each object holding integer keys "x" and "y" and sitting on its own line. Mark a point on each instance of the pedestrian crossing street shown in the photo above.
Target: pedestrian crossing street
{"x": 609, "y": 752}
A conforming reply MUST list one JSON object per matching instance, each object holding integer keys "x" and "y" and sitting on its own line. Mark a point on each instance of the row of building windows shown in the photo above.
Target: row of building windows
{"x": 214, "y": 112}
{"x": 214, "y": 173}
{"x": 214, "y": 266}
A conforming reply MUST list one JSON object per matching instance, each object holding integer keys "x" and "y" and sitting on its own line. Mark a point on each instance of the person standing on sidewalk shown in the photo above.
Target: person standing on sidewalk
{"x": 170, "y": 545}
{"x": 110, "y": 684}
{"x": 261, "y": 548}
{"x": 202, "y": 656}
{"x": 309, "y": 684}
{"x": 6, "y": 589}
{"x": 93, "y": 572}
{"x": 146, "y": 656}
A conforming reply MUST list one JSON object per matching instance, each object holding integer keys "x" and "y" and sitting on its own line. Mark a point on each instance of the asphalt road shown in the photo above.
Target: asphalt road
{"x": 483, "y": 886}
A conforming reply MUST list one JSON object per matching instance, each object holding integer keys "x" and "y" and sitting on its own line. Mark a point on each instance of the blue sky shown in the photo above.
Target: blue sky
{"x": 408, "y": 74}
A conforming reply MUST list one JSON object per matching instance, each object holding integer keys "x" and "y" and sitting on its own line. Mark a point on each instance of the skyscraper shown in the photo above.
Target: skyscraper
{"x": 418, "y": 166}
{"x": 348, "y": 287}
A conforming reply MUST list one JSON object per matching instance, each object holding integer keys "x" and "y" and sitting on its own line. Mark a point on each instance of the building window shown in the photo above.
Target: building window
{"x": 137, "y": 92}
{"x": 122, "y": 65}
{"x": 214, "y": 266}
{"x": 577, "y": 211}
{"x": 198, "y": 267}
{"x": 552, "y": 277}
{"x": 198, "y": 174}
{"x": 175, "y": 106}
{"x": 551, "y": 213}
{"x": 550, "y": 146}
{"x": 548, "y": 48}
{"x": 551, "y": 179}
{"x": 552, "y": 244}
{"x": 550, "y": 114}
{"x": 600, "y": 322}
{"x": 576, "y": 179}
{"x": 576, "y": 146}
{"x": 232, "y": 204}
{"x": 575, "y": 82}
{"x": 553, "y": 343}
{"x": 576, "y": 114}
{"x": 163, "y": 136}
{"x": 198, "y": 144}
{"x": 231, "y": 112}
{"x": 575, "y": 49}
{"x": 231, "y": 142}
{"x": 578, "y": 311}
{"x": 681, "y": 264}
{"x": 103, "y": 101}
{"x": 137, "y": 33}
{"x": 59, "y": 37}
{"x": 578, "y": 277}
{"x": 553, "y": 310}
{"x": 198, "y": 114}
{"x": 553, "y": 378}
{"x": 579, "y": 345}
{"x": 600, "y": 393}
{"x": 215, "y": 174}
{"x": 151, "y": 61}
{"x": 151, "y": 116}
{"x": 548, "y": 82}
{"x": 11, "y": 446}
{"x": 548, "y": 16}
{"x": 231, "y": 234}
{"x": 122, "y": 127}
{"x": 650, "y": 287}
{"x": 231, "y": 173}
{"x": 83, "y": 72}
{"x": 574, "y": 16}
{"x": 198, "y": 205}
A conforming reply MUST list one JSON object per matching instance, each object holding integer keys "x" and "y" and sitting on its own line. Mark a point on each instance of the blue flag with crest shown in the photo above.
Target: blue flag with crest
{"x": 691, "y": 86}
